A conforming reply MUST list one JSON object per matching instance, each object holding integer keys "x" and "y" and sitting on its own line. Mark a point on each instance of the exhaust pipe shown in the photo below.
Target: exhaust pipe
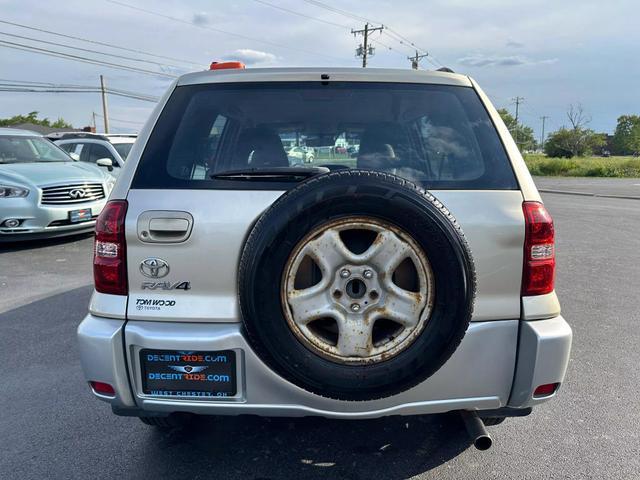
{"x": 476, "y": 430}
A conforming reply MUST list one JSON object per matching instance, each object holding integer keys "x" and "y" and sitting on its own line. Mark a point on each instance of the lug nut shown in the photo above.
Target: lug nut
{"x": 355, "y": 307}
{"x": 367, "y": 274}
{"x": 345, "y": 273}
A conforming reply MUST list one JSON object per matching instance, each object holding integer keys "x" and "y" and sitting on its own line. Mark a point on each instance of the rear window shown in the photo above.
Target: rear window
{"x": 437, "y": 136}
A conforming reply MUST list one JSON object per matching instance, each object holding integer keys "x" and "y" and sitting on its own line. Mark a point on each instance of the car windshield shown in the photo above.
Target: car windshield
{"x": 439, "y": 136}
{"x": 22, "y": 149}
{"x": 123, "y": 149}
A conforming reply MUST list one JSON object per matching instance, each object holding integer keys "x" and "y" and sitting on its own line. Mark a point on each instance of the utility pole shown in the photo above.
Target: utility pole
{"x": 95, "y": 127}
{"x": 518, "y": 101}
{"x": 105, "y": 108}
{"x": 364, "y": 49}
{"x": 415, "y": 60}
{"x": 543, "y": 118}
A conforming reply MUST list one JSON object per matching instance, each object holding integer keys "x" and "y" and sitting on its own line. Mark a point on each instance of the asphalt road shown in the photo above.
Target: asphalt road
{"x": 51, "y": 427}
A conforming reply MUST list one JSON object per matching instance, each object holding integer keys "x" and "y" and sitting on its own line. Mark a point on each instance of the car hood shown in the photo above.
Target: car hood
{"x": 47, "y": 173}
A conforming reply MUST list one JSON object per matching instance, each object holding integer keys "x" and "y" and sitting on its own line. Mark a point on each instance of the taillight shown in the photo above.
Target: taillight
{"x": 539, "y": 250}
{"x": 110, "y": 256}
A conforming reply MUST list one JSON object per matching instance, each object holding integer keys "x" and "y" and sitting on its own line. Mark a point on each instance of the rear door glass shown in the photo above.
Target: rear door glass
{"x": 437, "y": 136}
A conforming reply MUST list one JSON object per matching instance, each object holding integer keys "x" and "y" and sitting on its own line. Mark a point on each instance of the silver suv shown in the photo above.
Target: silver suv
{"x": 414, "y": 276}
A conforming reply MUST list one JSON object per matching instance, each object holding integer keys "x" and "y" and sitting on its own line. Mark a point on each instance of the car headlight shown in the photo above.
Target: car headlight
{"x": 9, "y": 191}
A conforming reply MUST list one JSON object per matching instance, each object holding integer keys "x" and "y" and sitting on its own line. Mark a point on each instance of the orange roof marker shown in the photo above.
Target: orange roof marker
{"x": 226, "y": 65}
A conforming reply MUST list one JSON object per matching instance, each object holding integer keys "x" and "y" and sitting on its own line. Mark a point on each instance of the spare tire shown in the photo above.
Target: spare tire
{"x": 356, "y": 285}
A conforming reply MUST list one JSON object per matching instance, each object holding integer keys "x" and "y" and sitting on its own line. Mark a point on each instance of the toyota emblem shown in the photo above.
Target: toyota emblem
{"x": 154, "y": 267}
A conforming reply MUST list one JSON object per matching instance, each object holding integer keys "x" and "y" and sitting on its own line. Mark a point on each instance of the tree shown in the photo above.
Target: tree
{"x": 626, "y": 139}
{"x": 32, "y": 117}
{"x": 524, "y": 134}
{"x": 578, "y": 140}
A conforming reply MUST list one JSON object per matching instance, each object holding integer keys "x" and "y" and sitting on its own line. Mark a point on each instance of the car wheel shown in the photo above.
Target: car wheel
{"x": 374, "y": 291}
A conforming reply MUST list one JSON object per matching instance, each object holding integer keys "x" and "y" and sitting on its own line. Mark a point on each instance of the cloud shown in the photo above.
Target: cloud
{"x": 480, "y": 60}
{"x": 200, "y": 19}
{"x": 251, "y": 57}
{"x": 514, "y": 44}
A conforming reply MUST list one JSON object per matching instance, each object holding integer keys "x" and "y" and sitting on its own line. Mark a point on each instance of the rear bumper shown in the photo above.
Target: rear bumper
{"x": 479, "y": 376}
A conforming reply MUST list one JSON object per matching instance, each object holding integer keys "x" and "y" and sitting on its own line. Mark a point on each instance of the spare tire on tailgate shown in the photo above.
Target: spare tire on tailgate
{"x": 356, "y": 285}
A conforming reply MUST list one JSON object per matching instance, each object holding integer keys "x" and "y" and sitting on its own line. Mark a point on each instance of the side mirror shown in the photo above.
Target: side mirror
{"x": 75, "y": 156}
{"x": 105, "y": 162}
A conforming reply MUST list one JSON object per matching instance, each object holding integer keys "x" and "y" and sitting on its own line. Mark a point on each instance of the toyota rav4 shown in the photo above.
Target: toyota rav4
{"x": 415, "y": 276}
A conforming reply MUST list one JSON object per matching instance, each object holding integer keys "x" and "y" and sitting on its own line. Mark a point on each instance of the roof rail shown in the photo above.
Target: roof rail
{"x": 445, "y": 69}
{"x": 121, "y": 135}
{"x": 70, "y": 135}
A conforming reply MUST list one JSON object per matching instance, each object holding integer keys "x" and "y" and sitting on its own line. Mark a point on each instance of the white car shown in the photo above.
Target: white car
{"x": 416, "y": 278}
{"x": 43, "y": 191}
{"x": 301, "y": 155}
{"x": 91, "y": 147}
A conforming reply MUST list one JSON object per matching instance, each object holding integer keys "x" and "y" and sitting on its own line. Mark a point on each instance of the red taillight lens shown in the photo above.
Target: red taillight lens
{"x": 539, "y": 250}
{"x": 109, "y": 258}
{"x": 546, "y": 390}
{"x": 103, "y": 389}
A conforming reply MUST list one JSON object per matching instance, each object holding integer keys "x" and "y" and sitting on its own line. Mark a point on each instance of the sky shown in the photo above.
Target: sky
{"x": 552, "y": 53}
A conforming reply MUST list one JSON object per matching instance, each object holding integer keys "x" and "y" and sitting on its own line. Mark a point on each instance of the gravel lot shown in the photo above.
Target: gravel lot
{"x": 53, "y": 428}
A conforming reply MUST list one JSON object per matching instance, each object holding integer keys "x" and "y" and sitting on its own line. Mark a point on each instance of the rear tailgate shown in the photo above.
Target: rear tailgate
{"x": 208, "y": 259}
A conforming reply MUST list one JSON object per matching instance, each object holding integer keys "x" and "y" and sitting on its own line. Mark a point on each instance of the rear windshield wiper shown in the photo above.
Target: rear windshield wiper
{"x": 273, "y": 174}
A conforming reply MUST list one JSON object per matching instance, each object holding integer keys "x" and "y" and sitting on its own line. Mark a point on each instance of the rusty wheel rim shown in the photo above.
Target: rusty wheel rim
{"x": 357, "y": 290}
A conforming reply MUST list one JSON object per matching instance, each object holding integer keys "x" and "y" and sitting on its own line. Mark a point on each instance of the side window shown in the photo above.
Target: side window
{"x": 97, "y": 152}
{"x": 68, "y": 147}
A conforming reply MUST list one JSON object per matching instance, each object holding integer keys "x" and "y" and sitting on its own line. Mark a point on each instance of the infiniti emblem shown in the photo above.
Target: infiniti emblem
{"x": 77, "y": 193}
{"x": 154, "y": 267}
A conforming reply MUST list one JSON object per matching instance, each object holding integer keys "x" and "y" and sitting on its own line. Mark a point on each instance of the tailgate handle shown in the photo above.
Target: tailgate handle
{"x": 164, "y": 226}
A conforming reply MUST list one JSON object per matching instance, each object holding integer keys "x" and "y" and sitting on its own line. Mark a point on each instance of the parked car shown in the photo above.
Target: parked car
{"x": 298, "y": 155}
{"x": 91, "y": 147}
{"x": 262, "y": 288}
{"x": 43, "y": 191}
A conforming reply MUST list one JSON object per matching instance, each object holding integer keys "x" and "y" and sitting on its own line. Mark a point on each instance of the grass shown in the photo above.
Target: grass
{"x": 621, "y": 167}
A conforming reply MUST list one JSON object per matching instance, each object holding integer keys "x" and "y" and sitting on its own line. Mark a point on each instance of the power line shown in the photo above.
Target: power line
{"x": 339, "y": 11}
{"x": 68, "y": 56}
{"x": 95, "y": 42}
{"x": 30, "y": 84}
{"x": 117, "y": 120}
{"x": 364, "y": 50}
{"x": 415, "y": 60}
{"x": 390, "y": 32}
{"x": 225, "y": 32}
{"x": 327, "y": 22}
{"x": 43, "y": 87}
{"x": 54, "y": 90}
{"x": 124, "y": 57}
{"x": 345, "y": 27}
